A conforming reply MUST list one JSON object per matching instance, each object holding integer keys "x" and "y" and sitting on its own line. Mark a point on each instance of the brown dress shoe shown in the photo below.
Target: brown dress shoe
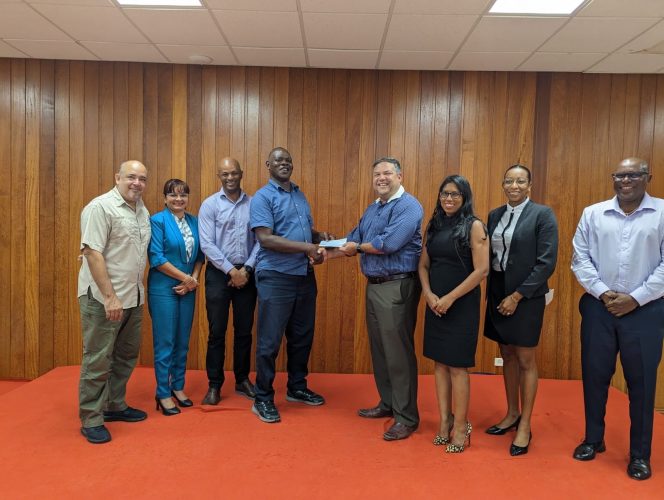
{"x": 212, "y": 397}
{"x": 246, "y": 389}
{"x": 376, "y": 412}
{"x": 398, "y": 431}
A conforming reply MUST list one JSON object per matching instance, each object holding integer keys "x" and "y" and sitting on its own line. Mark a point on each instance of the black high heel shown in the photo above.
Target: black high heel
{"x": 515, "y": 450}
{"x": 184, "y": 403}
{"x": 169, "y": 412}
{"x": 494, "y": 430}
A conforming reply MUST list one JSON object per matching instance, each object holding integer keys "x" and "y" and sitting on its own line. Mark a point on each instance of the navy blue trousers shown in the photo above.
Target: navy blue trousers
{"x": 637, "y": 337}
{"x": 286, "y": 304}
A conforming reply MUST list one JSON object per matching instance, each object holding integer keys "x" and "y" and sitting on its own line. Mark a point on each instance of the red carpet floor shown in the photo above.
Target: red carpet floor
{"x": 315, "y": 452}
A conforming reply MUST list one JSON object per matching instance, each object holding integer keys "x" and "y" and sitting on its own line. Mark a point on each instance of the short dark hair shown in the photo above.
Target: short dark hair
{"x": 175, "y": 185}
{"x": 518, "y": 165}
{"x": 388, "y": 159}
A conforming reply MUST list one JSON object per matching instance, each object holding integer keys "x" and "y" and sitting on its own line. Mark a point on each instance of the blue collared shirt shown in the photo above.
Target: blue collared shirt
{"x": 224, "y": 231}
{"x": 395, "y": 228}
{"x": 288, "y": 214}
{"x": 623, "y": 253}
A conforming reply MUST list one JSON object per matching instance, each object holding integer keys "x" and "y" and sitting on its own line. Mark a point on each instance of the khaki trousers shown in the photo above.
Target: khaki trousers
{"x": 110, "y": 352}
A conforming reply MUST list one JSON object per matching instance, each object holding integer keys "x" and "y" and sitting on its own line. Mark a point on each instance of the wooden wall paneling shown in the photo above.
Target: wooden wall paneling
{"x": 209, "y": 182}
{"x": 47, "y": 273}
{"x": 617, "y": 119}
{"x": 455, "y": 121}
{"x": 266, "y": 125}
{"x": 383, "y": 113}
{"x": 412, "y": 126}
{"x": 252, "y": 151}
{"x": 93, "y": 183}
{"x": 5, "y": 208}
{"x": 179, "y": 168}
{"x": 224, "y": 115}
{"x": 120, "y": 117}
{"x": 18, "y": 231}
{"x": 150, "y": 114}
{"x": 372, "y": 128}
{"x": 647, "y": 116}
{"x": 106, "y": 127}
{"x": 441, "y": 123}
{"x": 78, "y": 197}
{"x": 238, "y": 109}
{"x": 303, "y": 175}
{"x": 632, "y": 115}
{"x": 135, "y": 108}
{"x": 657, "y": 183}
{"x": 469, "y": 131}
{"x": 398, "y": 115}
{"x": 165, "y": 138}
{"x": 280, "y": 114}
{"x": 64, "y": 263}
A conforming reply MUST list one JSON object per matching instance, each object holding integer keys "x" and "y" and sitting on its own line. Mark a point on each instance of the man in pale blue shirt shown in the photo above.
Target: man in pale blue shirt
{"x": 389, "y": 238}
{"x": 619, "y": 260}
{"x": 230, "y": 247}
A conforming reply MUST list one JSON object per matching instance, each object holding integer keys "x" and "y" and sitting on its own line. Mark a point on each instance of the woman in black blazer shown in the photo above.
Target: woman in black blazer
{"x": 524, "y": 248}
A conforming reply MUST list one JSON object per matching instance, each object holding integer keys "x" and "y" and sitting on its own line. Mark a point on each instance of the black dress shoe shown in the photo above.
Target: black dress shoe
{"x": 212, "y": 397}
{"x": 305, "y": 396}
{"x": 167, "y": 412}
{"x": 129, "y": 414}
{"x": 587, "y": 451}
{"x": 246, "y": 389}
{"x": 516, "y": 450}
{"x": 184, "y": 403}
{"x": 494, "y": 430}
{"x": 398, "y": 431}
{"x": 639, "y": 469}
{"x": 376, "y": 412}
{"x": 96, "y": 435}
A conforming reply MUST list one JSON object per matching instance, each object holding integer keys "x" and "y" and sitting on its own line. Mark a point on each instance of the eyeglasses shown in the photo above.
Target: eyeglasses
{"x": 632, "y": 176}
{"x": 519, "y": 182}
{"x": 455, "y": 195}
{"x": 175, "y": 195}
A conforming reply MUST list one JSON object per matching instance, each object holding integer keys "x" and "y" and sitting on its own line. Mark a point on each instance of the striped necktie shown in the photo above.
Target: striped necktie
{"x": 509, "y": 223}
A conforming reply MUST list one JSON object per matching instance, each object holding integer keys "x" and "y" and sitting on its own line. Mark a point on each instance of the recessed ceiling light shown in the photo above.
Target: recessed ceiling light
{"x": 160, "y": 3}
{"x": 535, "y": 6}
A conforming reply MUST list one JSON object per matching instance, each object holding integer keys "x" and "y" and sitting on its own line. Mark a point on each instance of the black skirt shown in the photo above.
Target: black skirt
{"x": 523, "y": 328}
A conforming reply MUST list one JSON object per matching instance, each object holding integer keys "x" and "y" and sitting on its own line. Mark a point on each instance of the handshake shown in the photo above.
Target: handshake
{"x": 319, "y": 254}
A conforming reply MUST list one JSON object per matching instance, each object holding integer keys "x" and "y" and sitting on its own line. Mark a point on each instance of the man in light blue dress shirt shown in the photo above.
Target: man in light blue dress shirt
{"x": 619, "y": 260}
{"x": 230, "y": 247}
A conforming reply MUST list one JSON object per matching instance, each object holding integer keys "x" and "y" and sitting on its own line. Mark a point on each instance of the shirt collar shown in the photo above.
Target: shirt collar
{"x": 222, "y": 193}
{"x": 396, "y": 195}
{"x": 519, "y": 208}
{"x": 119, "y": 200}
{"x": 646, "y": 204}
{"x": 294, "y": 187}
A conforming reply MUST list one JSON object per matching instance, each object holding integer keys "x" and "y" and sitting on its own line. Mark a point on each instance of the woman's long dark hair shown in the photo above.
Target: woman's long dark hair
{"x": 463, "y": 218}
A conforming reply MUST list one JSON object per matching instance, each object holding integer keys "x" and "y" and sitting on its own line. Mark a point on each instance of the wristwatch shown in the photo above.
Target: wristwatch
{"x": 358, "y": 248}
{"x": 249, "y": 269}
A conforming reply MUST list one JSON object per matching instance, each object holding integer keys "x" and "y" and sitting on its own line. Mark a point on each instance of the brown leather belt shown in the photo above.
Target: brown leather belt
{"x": 377, "y": 280}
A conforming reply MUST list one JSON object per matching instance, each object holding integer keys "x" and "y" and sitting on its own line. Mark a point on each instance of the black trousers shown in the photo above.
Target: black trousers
{"x": 218, "y": 299}
{"x": 286, "y": 305}
{"x": 638, "y": 337}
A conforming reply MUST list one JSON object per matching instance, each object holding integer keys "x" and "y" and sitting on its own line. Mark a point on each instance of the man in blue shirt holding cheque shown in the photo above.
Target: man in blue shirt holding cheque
{"x": 281, "y": 219}
{"x": 389, "y": 238}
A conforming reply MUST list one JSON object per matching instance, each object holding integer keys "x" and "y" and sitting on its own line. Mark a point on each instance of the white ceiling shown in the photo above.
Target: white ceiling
{"x": 603, "y": 36}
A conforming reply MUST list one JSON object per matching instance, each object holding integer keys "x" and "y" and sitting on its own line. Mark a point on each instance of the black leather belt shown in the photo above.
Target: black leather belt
{"x": 377, "y": 280}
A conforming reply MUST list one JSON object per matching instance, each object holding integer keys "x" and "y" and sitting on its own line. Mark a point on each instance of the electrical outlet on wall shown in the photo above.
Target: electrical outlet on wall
{"x": 497, "y": 361}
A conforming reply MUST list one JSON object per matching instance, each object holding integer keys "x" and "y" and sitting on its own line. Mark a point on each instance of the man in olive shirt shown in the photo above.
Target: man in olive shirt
{"x": 115, "y": 232}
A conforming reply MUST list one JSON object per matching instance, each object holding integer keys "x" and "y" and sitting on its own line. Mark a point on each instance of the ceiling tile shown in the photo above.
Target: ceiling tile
{"x": 344, "y": 31}
{"x": 403, "y": 59}
{"x": 560, "y": 61}
{"x": 511, "y": 34}
{"x": 654, "y": 36}
{"x": 263, "y": 5}
{"x": 253, "y": 56}
{"x": 99, "y": 24}
{"x": 624, "y": 8}
{"x": 101, "y": 3}
{"x": 179, "y": 54}
{"x": 441, "y": 6}
{"x": 350, "y": 59}
{"x": 52, "y": 49}
{"x": 488, "y": 61}
{"x": 8, "y": 51}
{"x": 18, "y": 20}
{"x": 140, "y": 52}
{"x": 357, "y": 6}
{"x": 629, "y": 63}
{"x": 434, "y": 32}
{"x": 260, "y": 29}
{"x": 596, "y": 34}
{"x": 177, "y": 26}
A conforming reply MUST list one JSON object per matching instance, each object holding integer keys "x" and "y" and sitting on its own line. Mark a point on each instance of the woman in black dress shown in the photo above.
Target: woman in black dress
{"x": 524, "y": 247}
{"x": 455, "y": 259}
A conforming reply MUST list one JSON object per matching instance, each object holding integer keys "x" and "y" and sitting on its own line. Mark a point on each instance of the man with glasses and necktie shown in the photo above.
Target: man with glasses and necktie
{"x": 619, "y": 261}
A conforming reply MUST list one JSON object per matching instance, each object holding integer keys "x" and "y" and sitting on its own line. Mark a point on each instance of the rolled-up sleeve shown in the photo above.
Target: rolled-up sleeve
{"x": 95, "y": 228}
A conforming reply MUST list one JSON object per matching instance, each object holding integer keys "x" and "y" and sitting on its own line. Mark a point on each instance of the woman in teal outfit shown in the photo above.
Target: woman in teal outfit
{"x": 175, "y": 264}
